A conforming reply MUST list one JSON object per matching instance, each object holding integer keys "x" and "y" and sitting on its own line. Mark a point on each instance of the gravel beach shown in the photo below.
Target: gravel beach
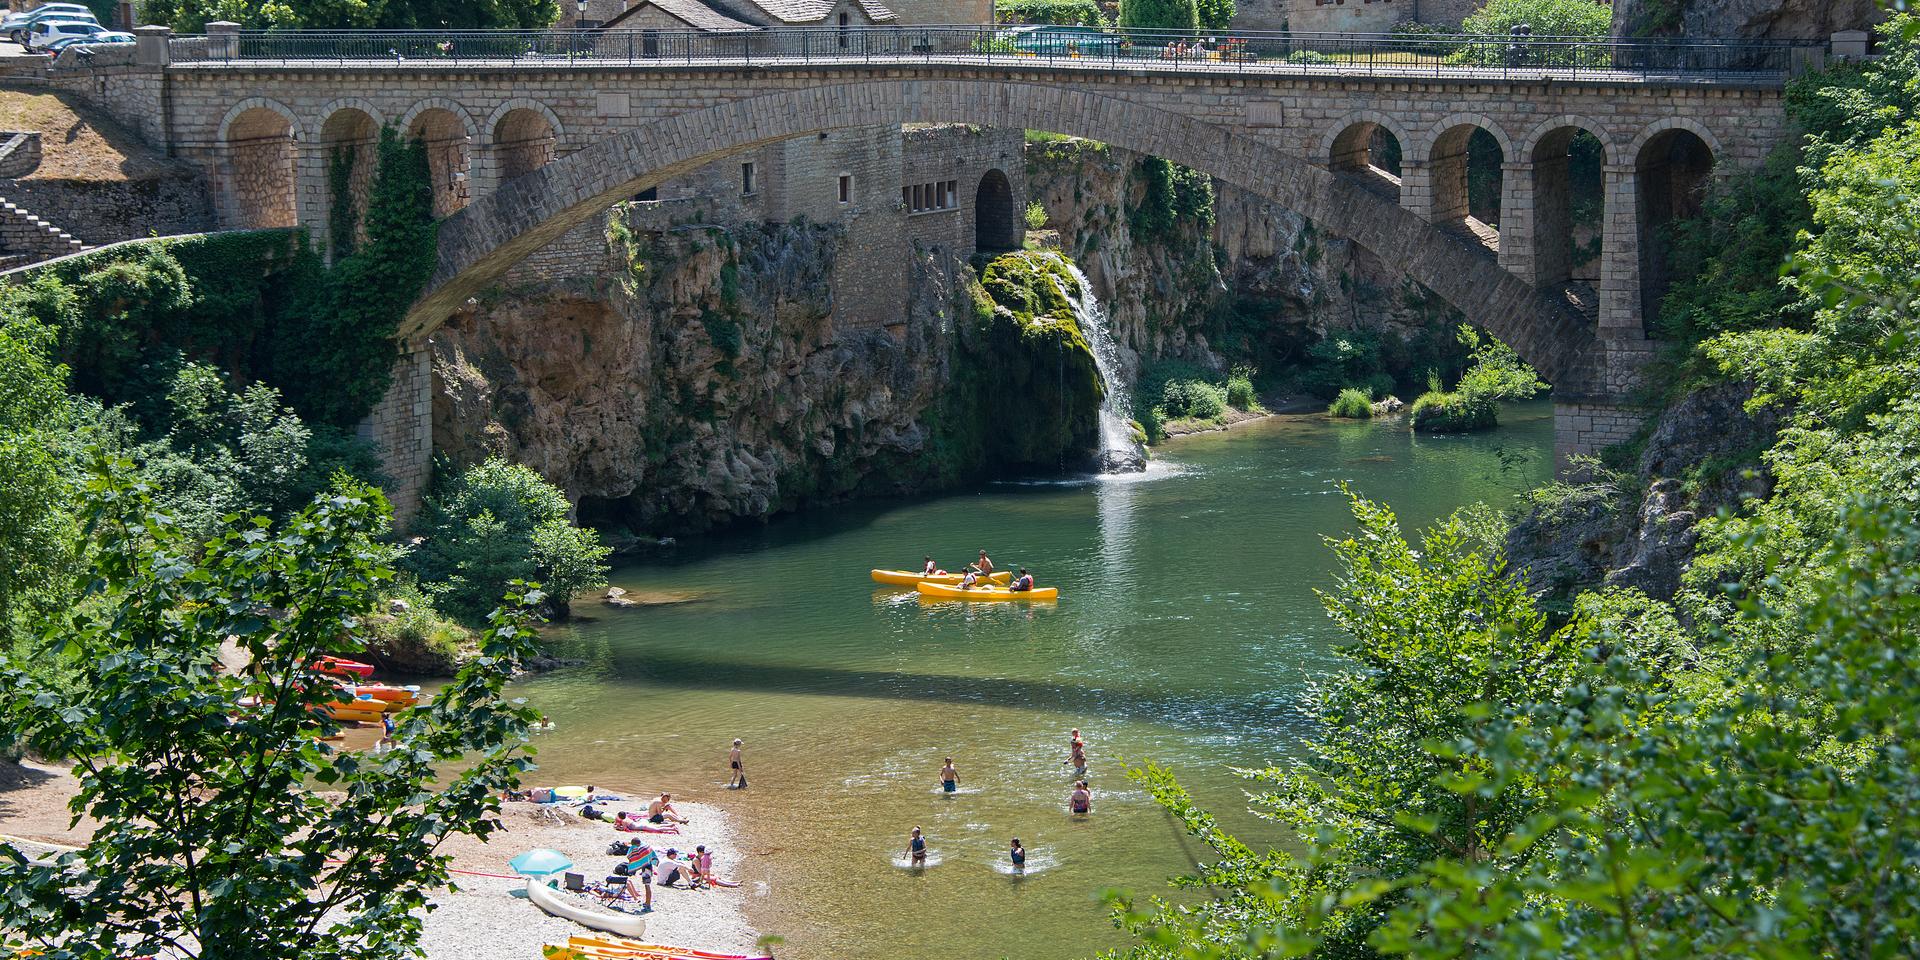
{"x": 489, "y": 916}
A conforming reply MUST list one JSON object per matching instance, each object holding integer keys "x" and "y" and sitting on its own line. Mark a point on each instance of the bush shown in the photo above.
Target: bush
{"x": 1352, "y": 404}
{"x": 1453, "y": 412}
{"x": 497, "y": 523}
{"x": 1080, "y": 13}
{"x": 1346, "y": 357}
{"x": 1548, "y": 18}
{"x": 1240, "y": 391}
{"x": 1160, "y": 14}
{"x": 1193, "y": 399}
{"x": 1036, "y": 215}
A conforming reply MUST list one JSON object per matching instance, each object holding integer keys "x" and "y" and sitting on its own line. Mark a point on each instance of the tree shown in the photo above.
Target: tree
{"x": 500, "y": 522}
{"x": 194, "y": 15}
{"x": 1216, "y": 14}
{"x": 39, "y": 532}
{"x": 1496, "y": 374}
{"x": 1548, "y": 18}
{"x": 214, "y": 840}
{"x": 1180, "y": 15}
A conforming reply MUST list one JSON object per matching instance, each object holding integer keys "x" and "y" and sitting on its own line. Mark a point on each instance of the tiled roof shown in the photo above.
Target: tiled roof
{"x": 695, "y": 14}
{"x": 814, "y": 11}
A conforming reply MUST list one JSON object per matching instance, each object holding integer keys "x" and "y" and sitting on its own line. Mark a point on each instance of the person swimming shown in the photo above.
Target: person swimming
{"x": 949, "y": 777}
{"x": 917, "y": 848}
{"x": 1018, "y": 854}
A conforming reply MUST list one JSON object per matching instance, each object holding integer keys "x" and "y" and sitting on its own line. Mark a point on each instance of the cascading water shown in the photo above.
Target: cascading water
{"x": 1119, "y": 453}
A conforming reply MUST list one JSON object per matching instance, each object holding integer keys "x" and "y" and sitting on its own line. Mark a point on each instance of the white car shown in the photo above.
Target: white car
{"x": 16, "y": 24}
{"x": 50, "y": 31}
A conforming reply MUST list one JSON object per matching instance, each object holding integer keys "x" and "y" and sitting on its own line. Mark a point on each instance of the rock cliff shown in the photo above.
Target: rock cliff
{"x": 1746, "y": 19}
{"x": 697, "y": 375}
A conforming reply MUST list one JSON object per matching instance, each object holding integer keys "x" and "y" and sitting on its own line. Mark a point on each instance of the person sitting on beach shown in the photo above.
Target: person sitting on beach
{"x": 1080, "y": 802}
{"x": 1018, "y": 854}
{"x": 949, "y": 777}
{"x": 916, "y": 848}
{"x": 1021, "y": 583}
{"x": 702, "y": 866}
{"x": 673, "y": 869}
{"x": 660, "y": 810}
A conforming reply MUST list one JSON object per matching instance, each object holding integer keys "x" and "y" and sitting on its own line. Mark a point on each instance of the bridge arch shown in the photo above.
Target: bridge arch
{"x": 1673, "y": 163}
{"x": 495, "y": 231}
{"x": 1351, "y": 147}
{"x": 1562, "y": 255}
{"x": 447, "y": 131}
{"x": 996, "y": 225}
{"x": 1450, "y": 150}
{"x": 259, "y": 143}
{"x": 349, "y": 144}
{"x": 522, "y": 135}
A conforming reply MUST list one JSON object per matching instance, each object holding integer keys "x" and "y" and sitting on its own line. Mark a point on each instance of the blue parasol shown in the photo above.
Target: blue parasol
{"x": 540, "y": 863}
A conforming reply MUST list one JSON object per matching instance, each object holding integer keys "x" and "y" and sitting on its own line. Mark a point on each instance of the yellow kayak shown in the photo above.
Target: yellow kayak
{"x": 938, "y": 591}
{"x": 907, "y": 578}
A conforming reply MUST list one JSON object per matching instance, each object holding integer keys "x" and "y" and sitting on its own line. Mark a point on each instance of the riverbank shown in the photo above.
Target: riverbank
{"x": 1234, "y": 417}
{"x": 487, "y": 915}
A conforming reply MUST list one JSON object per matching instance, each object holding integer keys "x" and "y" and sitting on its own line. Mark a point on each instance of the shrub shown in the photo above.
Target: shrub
{"x": 1240, "y": 391}
{"x": 1346, "y": 357}
{"x": 1080, "y": 13}
{"x": 1352, "y": 404}
{"x": 1453, "y": 412}
{"x": 1036, "y": 215}
{"x": 497, "y": 523}
{"x": 1160, "y": 14}
{"x": 1195, "y": 399}
{"x": 1548, "y": 18}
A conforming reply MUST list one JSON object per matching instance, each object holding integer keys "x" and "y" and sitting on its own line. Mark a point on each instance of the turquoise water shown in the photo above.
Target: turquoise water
{"x": 1186, "y": 630}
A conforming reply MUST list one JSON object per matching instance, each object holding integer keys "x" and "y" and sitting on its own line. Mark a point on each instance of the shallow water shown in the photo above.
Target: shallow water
{"x": 1186, "y": 629}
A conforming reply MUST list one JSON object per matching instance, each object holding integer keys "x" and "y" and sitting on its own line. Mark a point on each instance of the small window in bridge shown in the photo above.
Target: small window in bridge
{"x": 846, "y": 188}
{"x": 746, "y": 180}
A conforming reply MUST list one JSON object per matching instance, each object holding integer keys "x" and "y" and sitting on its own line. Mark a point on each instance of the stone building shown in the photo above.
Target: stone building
{"x": 748, "y": 14}
{"x": 1349, "y": 16}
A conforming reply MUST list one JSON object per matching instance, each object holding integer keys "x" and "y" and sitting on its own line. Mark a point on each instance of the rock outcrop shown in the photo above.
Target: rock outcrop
{"x": 1745, "y": 19}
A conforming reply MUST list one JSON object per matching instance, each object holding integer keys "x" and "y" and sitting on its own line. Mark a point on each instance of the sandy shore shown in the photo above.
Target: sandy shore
{"x": 486, "y": 916}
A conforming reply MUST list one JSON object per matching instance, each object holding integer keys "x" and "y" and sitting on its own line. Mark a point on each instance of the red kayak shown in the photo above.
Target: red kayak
{"x": 343, "y": 668}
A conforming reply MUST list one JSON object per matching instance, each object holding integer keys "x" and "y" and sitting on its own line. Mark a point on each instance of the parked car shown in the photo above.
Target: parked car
{"x": 104, "y": 36}
{"x": 50, "y": 30}
{"x": 16, "y": 24}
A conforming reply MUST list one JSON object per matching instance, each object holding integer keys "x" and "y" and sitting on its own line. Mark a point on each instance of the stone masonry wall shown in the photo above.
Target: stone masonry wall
{"x": 938, "y": 153}
{"x": 108, "y": 212}
{"x": 401, "y": 430}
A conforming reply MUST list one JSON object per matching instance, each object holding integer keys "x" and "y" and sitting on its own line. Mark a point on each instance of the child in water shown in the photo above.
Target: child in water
{"x": 1018, "y": 854}
{"x": 917, "y": 849}
{"x": 949, "y": 777}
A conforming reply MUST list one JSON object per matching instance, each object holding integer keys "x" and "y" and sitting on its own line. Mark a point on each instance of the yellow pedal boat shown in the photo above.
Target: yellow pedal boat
{"x": 907, "y": 578}
{"x": 940, "y": 591}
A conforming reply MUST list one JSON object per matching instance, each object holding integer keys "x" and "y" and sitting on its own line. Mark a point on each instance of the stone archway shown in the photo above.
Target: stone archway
{"x": 446, "y": 135}
{"x": 258, "y": 140}
{"x": 1672, "y": 169}
{"x": 1466, "y": 173}
{"x": 523, "y": 141}
{"x": 480, "y": 243}
{"x": 350, "y": 148}
{"x": 996, "y": 225}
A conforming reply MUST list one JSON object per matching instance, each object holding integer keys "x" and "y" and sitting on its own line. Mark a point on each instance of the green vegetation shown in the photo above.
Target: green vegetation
{"x": 1548, "y": 18}
{"x": 1173, "y": 392}
{"x": 496, "y": 523}
{"x": 1181, "y": 15}
{"x": 192, "y": 16}
{"x": 1497, "y": 374}
{"x": 1353, "y": 403}
{"x": 1725, "y": 774}
{"x": 1084, "y": 13}
{"x": 1036, "y": 215}
{"x": 214, "y": 839}
{"x": 1216, "y": 14}
{"x": 1172, "y": 198}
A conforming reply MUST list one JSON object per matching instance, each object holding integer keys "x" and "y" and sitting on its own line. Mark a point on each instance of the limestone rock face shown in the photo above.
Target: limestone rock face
{"x": 701, "y": 380}
{"x": 1286, "y": 279}
{"x": 1744, "y": 19}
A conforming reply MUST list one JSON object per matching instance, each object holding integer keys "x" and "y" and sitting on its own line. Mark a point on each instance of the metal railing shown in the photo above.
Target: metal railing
{"x": 1238, "y": 52}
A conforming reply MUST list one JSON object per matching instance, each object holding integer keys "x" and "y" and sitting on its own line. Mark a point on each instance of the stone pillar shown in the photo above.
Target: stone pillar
{"x": 313, "y": 195}
{"x": 483, "y": 167}
{"x": 1516, "y": 219}
{"x": 1552, "y": 247}
{"x": 1447, "y": 179}
{"x": 223, "y": 40}
{"x": 1850, "y": 45}
{"x": 401, "y": 430}
{"x": 1620, "y": 256}
{"x": 152, "y": 46}
{"x": 1417, "y": 188}
{"x": 1585, "y": 427}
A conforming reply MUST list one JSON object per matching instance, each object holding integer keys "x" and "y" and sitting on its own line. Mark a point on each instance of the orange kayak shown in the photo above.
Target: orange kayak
{"x": 936, "y": 591}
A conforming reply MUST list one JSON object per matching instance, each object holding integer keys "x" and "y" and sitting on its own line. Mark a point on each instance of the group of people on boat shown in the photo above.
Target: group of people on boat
{"x": 1079, "y": 803}
{"x": 980, "y": 572}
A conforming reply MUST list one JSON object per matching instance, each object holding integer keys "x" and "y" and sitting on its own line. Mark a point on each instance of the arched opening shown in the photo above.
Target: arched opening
{"x": 444, "y": 137}
{"x": 1672, "y": 171}
{"x": 1466, "y": 167}
{"x": 259, "y": 144}
{"x": 1569, "y": 208}
{"x": 350, "y": 142}
{"x": 994, "y": 225}
{"x": 1370, "y": 154}
{"x": 523, "y": 142}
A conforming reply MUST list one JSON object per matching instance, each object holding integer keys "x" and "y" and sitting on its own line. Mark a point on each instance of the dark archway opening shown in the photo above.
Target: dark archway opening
{"x": 995, "y": 226}
{"x": 1466, "y": 166}
{"x": 1569, "y": 212}
{"x": 1673, "y": 171}
{"x": 1370, "y": 154}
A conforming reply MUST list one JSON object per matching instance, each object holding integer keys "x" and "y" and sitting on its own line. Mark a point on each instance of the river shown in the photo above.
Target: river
{"x": 1186, "y": 629}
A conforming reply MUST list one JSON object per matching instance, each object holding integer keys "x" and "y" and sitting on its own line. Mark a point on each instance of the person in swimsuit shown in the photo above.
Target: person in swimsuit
{"x": 660, "y": 810}
{"x": 917, "y": 848}
{"x": 1077, "y": 755}
{"x": 984, "y": 564}
{"x": 949, "y": 777}
{"x": 1080, "y": 803}
{"x": 1018, "y": 854}
{"x": 703, "y": 864}
{"x": 739, "y": 781}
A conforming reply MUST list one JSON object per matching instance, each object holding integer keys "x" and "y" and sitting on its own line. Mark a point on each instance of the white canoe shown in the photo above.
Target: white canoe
{"x": 565, "y": 907}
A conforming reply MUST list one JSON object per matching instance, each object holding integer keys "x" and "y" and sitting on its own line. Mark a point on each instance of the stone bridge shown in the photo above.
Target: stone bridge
{"x": 522, "y": 151}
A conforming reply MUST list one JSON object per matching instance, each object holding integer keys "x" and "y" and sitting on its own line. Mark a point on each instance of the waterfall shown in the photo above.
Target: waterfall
{"x": 1118, "y": 451}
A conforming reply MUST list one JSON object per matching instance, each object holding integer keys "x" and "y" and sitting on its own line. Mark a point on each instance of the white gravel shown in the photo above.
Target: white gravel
{"x": 491, "y": 918}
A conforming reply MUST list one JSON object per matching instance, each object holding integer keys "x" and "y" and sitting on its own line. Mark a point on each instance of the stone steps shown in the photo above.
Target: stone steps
{"x": 24, "y": 235}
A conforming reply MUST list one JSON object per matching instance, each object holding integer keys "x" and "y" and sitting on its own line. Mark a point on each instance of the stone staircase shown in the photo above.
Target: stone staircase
{"x": 23, "y": 235}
